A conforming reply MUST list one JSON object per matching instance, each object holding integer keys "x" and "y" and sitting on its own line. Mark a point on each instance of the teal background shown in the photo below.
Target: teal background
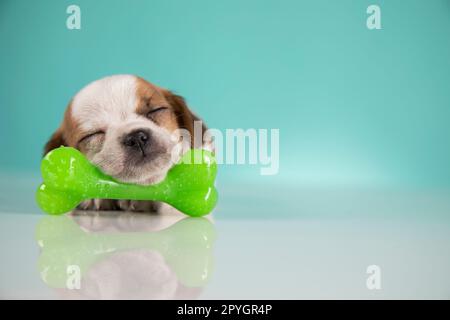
{"x": 354, "y": 106}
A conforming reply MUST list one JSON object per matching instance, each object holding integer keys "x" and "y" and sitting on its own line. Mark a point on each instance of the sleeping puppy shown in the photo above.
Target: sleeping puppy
{"x": 125, "y": 126}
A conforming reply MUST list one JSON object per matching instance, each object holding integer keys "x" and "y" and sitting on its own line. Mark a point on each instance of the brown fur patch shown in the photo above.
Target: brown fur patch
{"x": 149, "y": 97}
{"x": 184, "y": 115}
{"x": 66, "y": 135}
{"x": 55, "y": 141}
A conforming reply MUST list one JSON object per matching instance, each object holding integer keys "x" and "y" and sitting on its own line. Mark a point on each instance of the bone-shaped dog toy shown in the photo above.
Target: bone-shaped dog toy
{"x": 69, "y": 178}
{"x": 186, "y": 246}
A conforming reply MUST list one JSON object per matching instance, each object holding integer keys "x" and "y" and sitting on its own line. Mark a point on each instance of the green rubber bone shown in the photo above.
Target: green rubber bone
{"x": 69, "y": 178}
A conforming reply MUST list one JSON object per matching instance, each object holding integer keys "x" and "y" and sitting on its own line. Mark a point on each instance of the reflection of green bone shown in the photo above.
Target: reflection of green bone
{"x": 70, "y": 178}
{"x": 186, "y": 247}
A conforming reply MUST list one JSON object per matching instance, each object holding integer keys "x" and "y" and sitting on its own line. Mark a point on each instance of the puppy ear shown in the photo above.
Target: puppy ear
{"x": 185, "y": 117}
{"x": 56, "y": 140}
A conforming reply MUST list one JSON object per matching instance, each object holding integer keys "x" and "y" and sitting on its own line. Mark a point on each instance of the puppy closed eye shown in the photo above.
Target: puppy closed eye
{"x": 155, "y": 112}
{"x": 91, "y": 136}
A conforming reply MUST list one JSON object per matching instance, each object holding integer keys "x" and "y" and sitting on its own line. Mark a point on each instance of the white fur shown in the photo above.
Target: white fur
{"x": 109, "y": 104}
{"x": 107, "y": 101}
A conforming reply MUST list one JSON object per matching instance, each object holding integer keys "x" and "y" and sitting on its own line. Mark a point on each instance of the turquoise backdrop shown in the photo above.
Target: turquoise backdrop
{"x": 354, "y": 106}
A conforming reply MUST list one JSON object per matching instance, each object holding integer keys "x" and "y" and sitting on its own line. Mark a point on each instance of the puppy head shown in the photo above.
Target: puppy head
{"x": 125, "y": 126}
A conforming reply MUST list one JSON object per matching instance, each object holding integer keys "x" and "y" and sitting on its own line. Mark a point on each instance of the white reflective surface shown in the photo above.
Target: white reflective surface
{"x": 266, "y": 244}
{"x": 293, "y": 258}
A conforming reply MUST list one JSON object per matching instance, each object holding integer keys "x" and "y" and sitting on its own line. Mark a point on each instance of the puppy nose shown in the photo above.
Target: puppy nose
{"x": 137, "y": 139}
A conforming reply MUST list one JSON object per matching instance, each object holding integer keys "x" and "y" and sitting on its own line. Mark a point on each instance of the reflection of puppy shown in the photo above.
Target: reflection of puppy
{"x": 123, "y": 124}
{"x": 133, "y": 273}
